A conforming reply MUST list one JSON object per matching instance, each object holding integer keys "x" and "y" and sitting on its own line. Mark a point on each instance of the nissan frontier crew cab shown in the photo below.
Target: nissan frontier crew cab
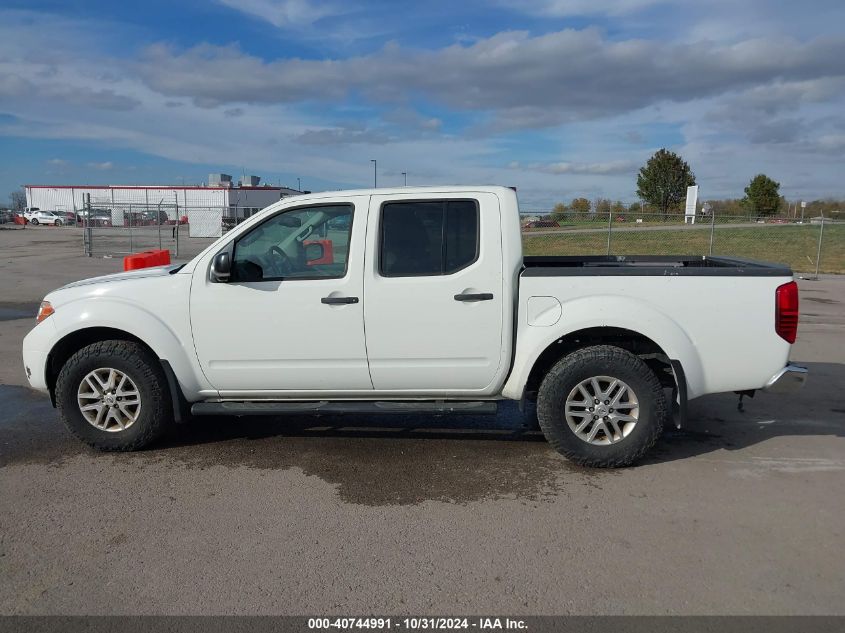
{"x": 414, "y": 299}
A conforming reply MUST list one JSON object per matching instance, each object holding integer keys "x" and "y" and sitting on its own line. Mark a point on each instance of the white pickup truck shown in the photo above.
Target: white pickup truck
{"x": 413, "y": 299}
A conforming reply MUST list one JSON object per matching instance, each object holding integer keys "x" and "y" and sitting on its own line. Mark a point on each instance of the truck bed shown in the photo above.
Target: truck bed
{"x": 649, "y": 265}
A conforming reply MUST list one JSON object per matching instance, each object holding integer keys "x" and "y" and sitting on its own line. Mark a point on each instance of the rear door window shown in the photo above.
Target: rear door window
{"x": 428, "y": 237}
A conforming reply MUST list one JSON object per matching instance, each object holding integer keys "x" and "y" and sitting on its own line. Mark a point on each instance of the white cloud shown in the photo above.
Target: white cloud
{"x": 739, "y": 107}
{"x": 283, "y": 13}
{"x": 565, "y": 8}
{"x": 518, "y": 77}
{"x": 105, "y": 166}
{"x": 343, "y": 135}
{"x": 613, "y": 167}
{"x": 13, "y": 85}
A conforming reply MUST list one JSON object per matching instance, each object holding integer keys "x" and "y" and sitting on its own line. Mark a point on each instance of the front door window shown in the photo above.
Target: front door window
{"x": 305, "y": 243}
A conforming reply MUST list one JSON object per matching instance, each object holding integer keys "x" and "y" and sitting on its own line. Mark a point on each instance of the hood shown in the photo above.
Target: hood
{"x": 157, "y": 271}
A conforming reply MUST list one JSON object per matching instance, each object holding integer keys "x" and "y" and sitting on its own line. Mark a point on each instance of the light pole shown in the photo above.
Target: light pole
{"x": 375, "y": 173}
{"x": 298, "y": 185}
{"x": 405, "y": 176}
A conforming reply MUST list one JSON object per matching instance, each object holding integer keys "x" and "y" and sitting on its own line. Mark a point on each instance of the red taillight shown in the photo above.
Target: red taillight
{"x": 786, "y": 311}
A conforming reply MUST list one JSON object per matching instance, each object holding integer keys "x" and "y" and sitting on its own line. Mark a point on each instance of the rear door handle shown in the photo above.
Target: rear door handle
{"x": 481, "y": 296}
{"x": 338, "y": 300}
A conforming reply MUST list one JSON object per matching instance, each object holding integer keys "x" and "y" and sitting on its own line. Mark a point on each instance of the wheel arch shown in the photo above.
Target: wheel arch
{"x": 74, "y": 341}
{"x": 671, "y": 355}
{"x": 634, "y": 342}
{"x": 71, "y": 343}
{"x": 629, "y": 322}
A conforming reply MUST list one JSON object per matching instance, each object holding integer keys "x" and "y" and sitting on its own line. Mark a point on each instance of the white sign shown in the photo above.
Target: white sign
{"x": 692, "y": 201}
{"x": 803, "y": 205}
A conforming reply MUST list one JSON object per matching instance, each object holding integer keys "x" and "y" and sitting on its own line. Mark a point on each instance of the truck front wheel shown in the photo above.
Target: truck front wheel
{"x": 113, "y": 395}
{"x": 601, "y": 406}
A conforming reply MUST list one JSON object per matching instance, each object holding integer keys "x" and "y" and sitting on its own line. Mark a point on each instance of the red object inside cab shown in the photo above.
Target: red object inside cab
{"x": 328, "y": 252}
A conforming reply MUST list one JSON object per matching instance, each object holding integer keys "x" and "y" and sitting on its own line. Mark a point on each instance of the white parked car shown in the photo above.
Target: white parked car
{"x": 411, "y": 300}
{"x": 44, "y": 217}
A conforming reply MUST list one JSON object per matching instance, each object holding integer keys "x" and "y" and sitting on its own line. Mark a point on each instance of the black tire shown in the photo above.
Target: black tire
{"x": 601, "y": 360}
{"x": 58, "y": 222}
{"x": 135, "y": 361}
{"x": 33, "y": 222}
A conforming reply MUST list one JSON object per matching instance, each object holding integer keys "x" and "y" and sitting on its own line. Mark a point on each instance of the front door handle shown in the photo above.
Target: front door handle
{"x": 332, "y": 301}
{"x": 481, "y": 296}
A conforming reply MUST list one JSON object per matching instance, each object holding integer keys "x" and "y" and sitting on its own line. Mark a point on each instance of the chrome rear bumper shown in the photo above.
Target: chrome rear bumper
{"x": 788, "y": 380}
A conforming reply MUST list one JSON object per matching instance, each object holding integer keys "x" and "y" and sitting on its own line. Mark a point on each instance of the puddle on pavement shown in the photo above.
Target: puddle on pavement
{"x": 375, "y": 461}
{"x": 14, "y": 311}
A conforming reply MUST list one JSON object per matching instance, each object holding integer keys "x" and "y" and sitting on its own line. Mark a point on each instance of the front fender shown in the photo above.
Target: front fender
{"x": 598, "y": 311}
{"x": 122, "y": 314}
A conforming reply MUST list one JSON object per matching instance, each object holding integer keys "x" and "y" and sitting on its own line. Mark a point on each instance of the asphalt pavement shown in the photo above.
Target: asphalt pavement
{"x": 739, "y": 513}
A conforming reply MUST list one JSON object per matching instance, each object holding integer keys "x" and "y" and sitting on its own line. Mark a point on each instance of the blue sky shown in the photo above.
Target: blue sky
{"x": 561, "y": 98}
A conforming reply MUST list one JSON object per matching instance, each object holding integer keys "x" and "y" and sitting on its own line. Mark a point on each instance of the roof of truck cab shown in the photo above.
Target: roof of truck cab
{"x": 381, "y": 191}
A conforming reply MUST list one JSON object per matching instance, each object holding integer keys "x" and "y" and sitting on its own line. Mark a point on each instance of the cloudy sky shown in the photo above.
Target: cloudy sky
{"x": 560, "y": 98}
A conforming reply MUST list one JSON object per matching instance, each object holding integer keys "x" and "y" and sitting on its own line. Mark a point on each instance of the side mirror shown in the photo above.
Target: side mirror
{"x": 221, "y": 267}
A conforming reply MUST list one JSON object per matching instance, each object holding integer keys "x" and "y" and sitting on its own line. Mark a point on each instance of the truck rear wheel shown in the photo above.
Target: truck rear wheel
{"x": 601, "y": 406}
{"x": 113, "y": 396}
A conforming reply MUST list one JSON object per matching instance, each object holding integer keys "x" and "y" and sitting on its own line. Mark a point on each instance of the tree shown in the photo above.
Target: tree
{"x": 602, "y": 206}
{"x": 580, "y": 206}
{"x": 664, "y": 179}
{"x": 17, "y": 200}
{"x": 559, "y": 212}
{"x": 618, "y": 208}
{"x": 635, "y": 207}
{"x": 762, "y": 195}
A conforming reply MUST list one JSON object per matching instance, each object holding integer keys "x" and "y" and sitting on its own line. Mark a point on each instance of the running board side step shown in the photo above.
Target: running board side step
{"x": 351, "y": 406}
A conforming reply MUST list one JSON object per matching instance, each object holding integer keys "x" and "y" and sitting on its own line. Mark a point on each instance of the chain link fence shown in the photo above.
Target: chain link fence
{"x": 120, "y": 229}
{"x": 813, "y": 246}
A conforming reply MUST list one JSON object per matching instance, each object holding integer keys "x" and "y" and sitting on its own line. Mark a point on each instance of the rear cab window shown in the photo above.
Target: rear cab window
{"x": 428, "y": 237}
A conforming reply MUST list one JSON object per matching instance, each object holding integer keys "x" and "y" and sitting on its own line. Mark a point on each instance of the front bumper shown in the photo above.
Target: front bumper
{"x": 40, "y": 338}
{"x": 788, "y": 380}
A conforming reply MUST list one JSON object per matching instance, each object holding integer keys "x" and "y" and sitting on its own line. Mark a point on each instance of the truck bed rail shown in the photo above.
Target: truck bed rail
{"x": 650, "y": 265}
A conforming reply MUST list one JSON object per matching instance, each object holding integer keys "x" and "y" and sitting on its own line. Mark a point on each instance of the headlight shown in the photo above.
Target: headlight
{"x": 44, "y": 310}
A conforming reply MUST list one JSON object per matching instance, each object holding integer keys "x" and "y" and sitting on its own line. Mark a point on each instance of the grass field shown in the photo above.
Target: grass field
{"x": 651, "y": 219}
{"x": 793, "y": 245}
